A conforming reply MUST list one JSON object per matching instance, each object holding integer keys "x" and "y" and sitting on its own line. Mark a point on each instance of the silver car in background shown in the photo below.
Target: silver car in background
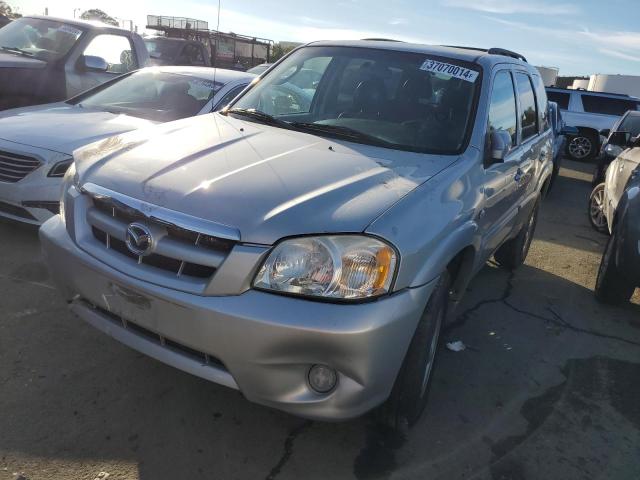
{"x": 307, "y": 252}
{"x": 36, "y": 142}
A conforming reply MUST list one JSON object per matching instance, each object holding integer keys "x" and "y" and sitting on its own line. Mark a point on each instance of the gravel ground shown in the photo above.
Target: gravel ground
{"x": 547, "y": 388}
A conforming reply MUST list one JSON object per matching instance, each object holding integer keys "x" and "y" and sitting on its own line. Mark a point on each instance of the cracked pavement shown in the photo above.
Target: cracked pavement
{"x": 548, "y": 387}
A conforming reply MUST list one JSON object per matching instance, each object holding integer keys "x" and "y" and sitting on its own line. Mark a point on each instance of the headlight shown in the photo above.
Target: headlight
{"x": 613, "y": 150}
{"x": 60, "y": 168}
{"x": 347, "y": 267}
{"x": 70, "y": 178}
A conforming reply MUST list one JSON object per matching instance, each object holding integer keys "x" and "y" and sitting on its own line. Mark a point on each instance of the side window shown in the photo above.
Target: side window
{"x": 502, "y": 110}
{"x": 607, "y": 105}
{"x": 115, "y": 50}
{"x": 543, "y": 104}
{"x": 192, "y": 55}
{"x": 230, "y": 95}
{"x": 562, "y": 99}
{"x": 528, "y": 107}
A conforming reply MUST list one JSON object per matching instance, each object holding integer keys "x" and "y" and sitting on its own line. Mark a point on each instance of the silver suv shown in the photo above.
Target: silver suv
{"x": 590, "y": 113}
{"x": 305, "y": 245}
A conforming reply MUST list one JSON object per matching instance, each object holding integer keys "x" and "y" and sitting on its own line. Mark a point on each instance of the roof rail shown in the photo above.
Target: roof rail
{"x": 491, "y": 51}
{"x": 381, "y": 40}
{"x": 506, "y": 53}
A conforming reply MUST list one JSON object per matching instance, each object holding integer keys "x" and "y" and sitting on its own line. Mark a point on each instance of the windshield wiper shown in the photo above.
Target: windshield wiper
{"x": 342, "y": 132}
{"x": 17, "y": 50}
{"x": 259, "y": 116}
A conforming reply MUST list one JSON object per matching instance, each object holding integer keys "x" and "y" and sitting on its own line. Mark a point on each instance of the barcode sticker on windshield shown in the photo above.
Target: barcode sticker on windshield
{"x": 69, "y": 30}
{"x": 451, "y": 70}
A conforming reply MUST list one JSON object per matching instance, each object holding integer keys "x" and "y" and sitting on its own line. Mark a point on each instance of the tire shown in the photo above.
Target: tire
{"x": 514, "y": 252}
{"x": 410, "y": 392}
{"x": 595, "y": 211}
{"x": 611, "y": 287}
{"x": 582, "y": 147}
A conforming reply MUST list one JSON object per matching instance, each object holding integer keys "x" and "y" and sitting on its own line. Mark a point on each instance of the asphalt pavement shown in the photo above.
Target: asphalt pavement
{"x": 546, "y": 389}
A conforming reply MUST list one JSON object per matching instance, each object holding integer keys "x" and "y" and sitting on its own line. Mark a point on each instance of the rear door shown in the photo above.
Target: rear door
{"x": 532, "y": 149}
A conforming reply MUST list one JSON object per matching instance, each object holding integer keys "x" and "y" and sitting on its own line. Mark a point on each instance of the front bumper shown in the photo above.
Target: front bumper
{"x": 262, "y": 344}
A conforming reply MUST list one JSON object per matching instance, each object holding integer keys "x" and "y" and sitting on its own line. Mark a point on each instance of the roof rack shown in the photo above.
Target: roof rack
{"x": 381, "y": 40}
{"x": 593, "y": 92}
{"x": 506, "y": 53}
{"x": 492, "y": 51}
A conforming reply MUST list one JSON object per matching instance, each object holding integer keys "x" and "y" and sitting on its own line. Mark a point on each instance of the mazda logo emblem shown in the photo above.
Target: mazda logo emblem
{"x": 139, "y": 240}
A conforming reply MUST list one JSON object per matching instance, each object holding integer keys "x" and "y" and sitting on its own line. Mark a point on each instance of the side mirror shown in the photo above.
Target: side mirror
{"x": 571, "y": 131}
{"x": 605, "y": 132}
{"x": 93, "y": 63}
{"x": 620, "y": 139}
{"x": 635, "y": 142}
{"x": 499, "y": 145}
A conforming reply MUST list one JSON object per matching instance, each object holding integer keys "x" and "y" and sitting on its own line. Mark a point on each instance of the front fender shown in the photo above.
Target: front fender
{"x": 435, "y": 222}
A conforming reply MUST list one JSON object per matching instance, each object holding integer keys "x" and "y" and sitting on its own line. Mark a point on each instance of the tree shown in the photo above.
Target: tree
{"x": 99, "y": 16}
{"x": 7, "y": 11}
{"x": 278, "y": 51}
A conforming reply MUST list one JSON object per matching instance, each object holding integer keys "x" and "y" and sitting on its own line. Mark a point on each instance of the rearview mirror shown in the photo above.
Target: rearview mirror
{"x": 96, "y": 64}
{"x": 155, "y": 55}
{"x": 621, "y": 139}
{"x": 571, "y": 131}
{"x": 500, "y": 145}
{"x": 605, "y": 132}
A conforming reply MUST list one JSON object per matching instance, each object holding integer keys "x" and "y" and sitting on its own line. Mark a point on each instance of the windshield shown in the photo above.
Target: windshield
{"x": 154, "y": 95}
{"x": 631, "y": 124}
{"x": 403, "y": 100}
{"x": 165, "y": 49}
{"x": 39, "y": 38}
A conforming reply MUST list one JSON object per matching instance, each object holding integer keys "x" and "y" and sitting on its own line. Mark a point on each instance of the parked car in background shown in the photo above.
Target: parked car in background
{"x": 619, "y": 272}
{"x": 46, "y": 59}
{"x": 4, "y": 20}
{"x": 260, "y": 69}
{"x": 589, "y": 112}
{"x": 629, "y": 123}
{"x": 177, "y": 51}
{"x": 605, "y": 196}
{"x": 308, "y": 255}
{"x": 560, "y": 132}
{"x": 36, "y": 142}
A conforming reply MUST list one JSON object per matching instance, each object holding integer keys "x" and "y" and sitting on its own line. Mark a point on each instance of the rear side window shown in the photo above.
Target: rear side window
{"x": 528, "y": 108}
{"x": 606, "y": 105}
{"x": 562, "y": 99}
{"x": 502, "y": 111}
{"x": 543, "y": 105}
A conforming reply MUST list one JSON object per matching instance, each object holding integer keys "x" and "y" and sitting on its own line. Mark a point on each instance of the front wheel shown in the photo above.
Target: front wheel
{"x": 410, "y": 390}
{"x": 514, "y": 252}
{"x": 596, "y": 209}
{"x": 611, "y": 286}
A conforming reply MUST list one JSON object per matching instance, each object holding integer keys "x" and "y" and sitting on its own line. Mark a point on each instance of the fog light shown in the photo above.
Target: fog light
{"x": 322, "y": 378}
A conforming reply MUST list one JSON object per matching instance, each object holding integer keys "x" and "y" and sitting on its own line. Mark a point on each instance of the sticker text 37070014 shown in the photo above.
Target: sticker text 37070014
{"x": 449, "y": 69}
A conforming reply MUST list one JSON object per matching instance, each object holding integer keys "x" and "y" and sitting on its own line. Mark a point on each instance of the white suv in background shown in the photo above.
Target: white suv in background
{"x": 589, "y": 112}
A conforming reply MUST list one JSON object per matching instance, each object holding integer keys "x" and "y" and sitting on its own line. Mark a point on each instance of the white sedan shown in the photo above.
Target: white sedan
{"x": 36, "y": 143}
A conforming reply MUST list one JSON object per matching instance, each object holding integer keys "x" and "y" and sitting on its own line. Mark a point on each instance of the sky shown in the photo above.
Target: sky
{"x": 580, "y": 37}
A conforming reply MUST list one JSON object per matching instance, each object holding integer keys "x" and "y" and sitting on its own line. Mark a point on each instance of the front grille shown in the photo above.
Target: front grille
{"x": 180, "y": 251}
{"x": 14, "y": 167}
{"x": 202, "y": 357}
{"x": 15, "y": 211}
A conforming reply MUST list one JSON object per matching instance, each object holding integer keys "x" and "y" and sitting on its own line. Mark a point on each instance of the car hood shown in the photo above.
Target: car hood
{"x": 267, "y": 182}
{"x": 9, "y": 60}
{"x": 62, "y": 127}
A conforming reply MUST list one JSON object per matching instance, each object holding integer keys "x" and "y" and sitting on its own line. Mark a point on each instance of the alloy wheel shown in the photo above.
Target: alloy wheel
{"x": 596, "y": 209}
{"x": 580, "y": 147}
